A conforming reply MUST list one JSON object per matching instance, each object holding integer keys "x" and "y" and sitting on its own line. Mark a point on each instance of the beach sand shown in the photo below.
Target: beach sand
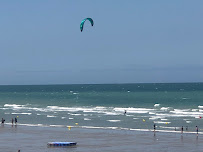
{"x": 35, "y": 139}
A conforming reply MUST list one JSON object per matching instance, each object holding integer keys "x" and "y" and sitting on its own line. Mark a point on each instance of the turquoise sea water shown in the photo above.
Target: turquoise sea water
{"x": 169, "y": 105}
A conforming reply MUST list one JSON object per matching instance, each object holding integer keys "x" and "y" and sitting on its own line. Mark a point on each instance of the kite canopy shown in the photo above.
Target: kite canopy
{"x": 83, "y": 21}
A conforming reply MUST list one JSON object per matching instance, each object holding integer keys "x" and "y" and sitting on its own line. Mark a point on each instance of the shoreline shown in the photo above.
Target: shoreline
{"x": 106, "y": 128}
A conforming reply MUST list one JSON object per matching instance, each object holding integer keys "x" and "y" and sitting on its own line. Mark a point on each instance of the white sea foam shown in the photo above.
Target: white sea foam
{"x": 168, "y": 127}
{"x": 133, "y": 110}
{"x": 156, "y": 105}
{"x": 130, "y": 115}
{"x": 164, "y": 119}
{"x": 154, "y": 118}
{"x": 110, "y": 113}
{"x": 4, "y": 108}
{"x": 201, "y": 107}
{"x": 13, "y": 105}
{"x": 188, "y": 121}
{"x": 56, "y": 125}
{"x": 100, "y": 107}
{"x": 113, "y": 120}
{"x": 87, "y": 119}
{"x": 40, "y": 125}
{"x": 165, "y": 108}
{"x": 50, "y": 116}
{"x": 91, "y": 127}
{"x": 186, "y": 112}
{"x": 21, "y": 113}
{"x": 152, "y": 113}
{"x": 161, "y": 122}
{"x": 70, "y": 118}
{"x": 185, "y": 98}
{"x": 75, "y": 114}
{"x": 63, "y": 117}
{"x": 75, "y": 93}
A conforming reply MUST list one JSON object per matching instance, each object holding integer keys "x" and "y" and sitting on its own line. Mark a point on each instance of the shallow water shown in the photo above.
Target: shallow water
{"x": 32, "y": 139}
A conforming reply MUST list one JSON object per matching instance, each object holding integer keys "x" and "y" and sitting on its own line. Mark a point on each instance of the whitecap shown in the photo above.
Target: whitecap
{"x": 75, "y": 114}
{"x": 165, "y": 108}
{"x": 50, "y": 116}
{"x": 113, "y": 120}
{"x": 130, "y": 115}
{"x": 164, "y": 119}
{"x": 152, "y": 113}
{"x": 201, "y": 107}
{"x": 133, "y": 110}
{"x": 185, "y": 98}
{"x": 156, "y": 105}
{"x": 161, "y": 122}
{"x": 87, "y": 119}
{"x": 21, "y": 113}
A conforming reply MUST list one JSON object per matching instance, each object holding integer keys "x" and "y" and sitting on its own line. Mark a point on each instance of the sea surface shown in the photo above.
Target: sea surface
{"x": 167, "y": 105}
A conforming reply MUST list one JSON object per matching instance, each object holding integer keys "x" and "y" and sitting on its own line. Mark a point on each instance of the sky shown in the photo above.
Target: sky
{"x": 132, "y": 41}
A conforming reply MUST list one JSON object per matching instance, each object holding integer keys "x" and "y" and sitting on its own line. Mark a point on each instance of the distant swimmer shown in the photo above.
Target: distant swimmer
{"x": 125, "y": 112}
{"x": 197, "y": 130}
{"x": 186, "y": 128}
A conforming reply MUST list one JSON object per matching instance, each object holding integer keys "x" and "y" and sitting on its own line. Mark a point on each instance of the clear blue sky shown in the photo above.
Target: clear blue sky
{"x": 132, "y": 41}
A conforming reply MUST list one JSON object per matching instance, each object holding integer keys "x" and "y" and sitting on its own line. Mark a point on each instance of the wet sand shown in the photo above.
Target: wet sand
{"x": 35, "y": 139}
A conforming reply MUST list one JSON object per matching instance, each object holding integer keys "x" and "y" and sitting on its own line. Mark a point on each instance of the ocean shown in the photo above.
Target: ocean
{"x": 167, "y": 105}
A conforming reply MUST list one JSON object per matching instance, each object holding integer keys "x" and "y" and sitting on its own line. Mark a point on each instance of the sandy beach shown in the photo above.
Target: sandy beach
{"x": 32, "y": 139}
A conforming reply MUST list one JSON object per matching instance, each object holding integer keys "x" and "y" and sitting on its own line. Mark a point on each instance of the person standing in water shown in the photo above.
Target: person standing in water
{"x": 16, "y": 120}
{"x": 125, "y": 112}
{"x": 182, "y": 130}
{"x": 154, "y": 127}
{"x": 197, "y": 130}
{"x": 2, "y": 120}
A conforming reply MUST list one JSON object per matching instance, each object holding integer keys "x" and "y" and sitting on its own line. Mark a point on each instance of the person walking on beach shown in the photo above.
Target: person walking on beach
{"x": 15, "y": 120}
{"x": 197, "y": 130}
{"x": 182, "y": 130}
